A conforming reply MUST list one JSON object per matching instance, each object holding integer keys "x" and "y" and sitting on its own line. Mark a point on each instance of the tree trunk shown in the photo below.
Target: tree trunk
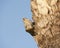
{"x": 45, "y": 27}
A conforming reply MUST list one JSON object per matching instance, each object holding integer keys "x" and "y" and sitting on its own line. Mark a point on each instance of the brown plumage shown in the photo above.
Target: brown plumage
{"x": 29, "y": 26}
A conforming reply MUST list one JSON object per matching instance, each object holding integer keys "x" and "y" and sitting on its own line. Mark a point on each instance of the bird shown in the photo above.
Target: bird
{"x": 29, "y": 26}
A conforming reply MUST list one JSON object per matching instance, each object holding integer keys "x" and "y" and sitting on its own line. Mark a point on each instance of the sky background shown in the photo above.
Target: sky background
{"x": 12, "y": 31}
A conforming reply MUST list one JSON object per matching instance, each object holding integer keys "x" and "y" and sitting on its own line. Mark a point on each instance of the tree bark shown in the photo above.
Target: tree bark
{"x": 45, "y": 27}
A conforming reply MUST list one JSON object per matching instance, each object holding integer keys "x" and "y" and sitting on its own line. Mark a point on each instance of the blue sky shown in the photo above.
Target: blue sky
{"x": 12, "y": 31}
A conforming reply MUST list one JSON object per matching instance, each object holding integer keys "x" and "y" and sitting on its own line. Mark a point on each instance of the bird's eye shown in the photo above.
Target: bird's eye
{"x": 48, "y": 11}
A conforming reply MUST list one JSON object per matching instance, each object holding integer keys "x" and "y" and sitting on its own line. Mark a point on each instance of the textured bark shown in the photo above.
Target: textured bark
{"x": 45, "y": 27}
